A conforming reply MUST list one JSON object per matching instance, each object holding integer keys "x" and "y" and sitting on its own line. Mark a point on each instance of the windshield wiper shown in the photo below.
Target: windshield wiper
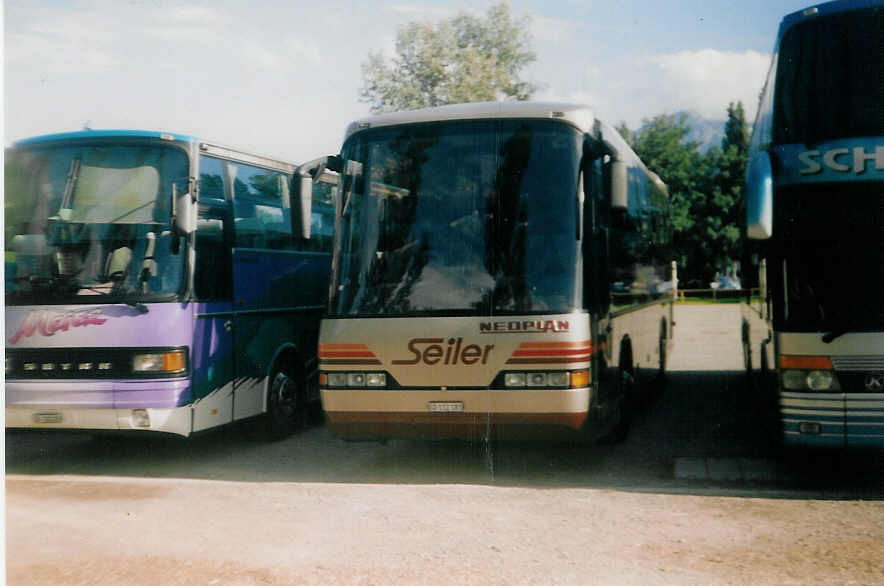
{"x": 116, "y": 295}
{"x": 841, "y": 327}
{"x": 834, "y": 335}
{"x": 119, "y": 296}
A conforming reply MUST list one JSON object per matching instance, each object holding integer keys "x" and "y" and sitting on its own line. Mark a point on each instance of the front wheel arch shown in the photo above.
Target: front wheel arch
{"x": 285, "y": 395}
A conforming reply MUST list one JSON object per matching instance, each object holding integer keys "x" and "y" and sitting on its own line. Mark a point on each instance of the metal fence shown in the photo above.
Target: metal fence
{"x": 714, "y": 295}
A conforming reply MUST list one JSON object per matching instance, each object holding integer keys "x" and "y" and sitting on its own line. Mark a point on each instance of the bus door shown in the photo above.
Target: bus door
{"x": 262, "y": 262}
{"x": 213, "y": 355}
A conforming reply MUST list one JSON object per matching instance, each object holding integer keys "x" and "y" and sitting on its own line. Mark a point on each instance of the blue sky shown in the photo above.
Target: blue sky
{"x": 282, "y": 77}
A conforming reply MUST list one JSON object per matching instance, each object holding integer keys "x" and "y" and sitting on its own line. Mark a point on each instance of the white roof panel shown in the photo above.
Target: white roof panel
{"x": 577, "y": 115}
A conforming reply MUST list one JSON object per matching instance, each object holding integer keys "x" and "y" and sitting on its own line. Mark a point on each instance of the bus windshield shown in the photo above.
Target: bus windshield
{"x": 87, "y": 221}
{"x": 832, "y": 258}
{"x": 461, "y": 217}
{"x": 829, "y": 78}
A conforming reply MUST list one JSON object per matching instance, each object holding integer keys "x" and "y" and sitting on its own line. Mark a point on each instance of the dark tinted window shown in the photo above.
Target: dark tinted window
{"x": 211, "y": 178}
{"x": 830, "y": 78}
{"x": 828, "y": 262}
{"x": 212, "y": 277}
{"x": 261, "y": 208}
{"x": 467, "y": 216}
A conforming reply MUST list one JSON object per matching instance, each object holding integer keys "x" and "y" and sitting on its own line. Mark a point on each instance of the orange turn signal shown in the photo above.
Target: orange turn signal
{"x": 806, "y": 362}
{"x": 579, "y": 378}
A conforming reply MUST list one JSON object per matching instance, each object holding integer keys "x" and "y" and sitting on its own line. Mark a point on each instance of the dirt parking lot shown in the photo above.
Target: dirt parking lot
{"x": 695, "y": 495}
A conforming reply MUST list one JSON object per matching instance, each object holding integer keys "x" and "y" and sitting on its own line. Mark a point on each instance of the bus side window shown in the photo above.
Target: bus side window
{"x": 212, "y": 278}
{"x": 211, "y": 182}
{"x": 261, "y": 214}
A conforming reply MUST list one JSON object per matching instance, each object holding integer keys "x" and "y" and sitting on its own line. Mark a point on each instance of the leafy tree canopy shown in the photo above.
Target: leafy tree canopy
{"x": 461, "y": 59}
{"x": 706, "y": 190}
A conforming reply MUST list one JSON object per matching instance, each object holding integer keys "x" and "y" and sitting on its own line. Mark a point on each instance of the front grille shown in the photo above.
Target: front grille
{"x": 76, "y": 363}
{"x": 68, "y": 363}
{"x": 855, "y": 382}
{"x": 858, "y": 363}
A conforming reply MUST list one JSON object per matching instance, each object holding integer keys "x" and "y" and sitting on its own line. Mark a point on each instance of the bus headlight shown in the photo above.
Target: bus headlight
{"x": 809, "y": 380}
{"x": 547, "y": 379}
{"x": 808, "y": 373}
{"x": 559, "y": 379}
{"x": 537, "y": 379}
{"x": 171, "y": 362}
{"x": 820, "y": 380}
{"x": 377, "y": 380}
{"x": 355, "y": 379}
{"x": 514, "y": 379}
{"x": 337, "y": 379}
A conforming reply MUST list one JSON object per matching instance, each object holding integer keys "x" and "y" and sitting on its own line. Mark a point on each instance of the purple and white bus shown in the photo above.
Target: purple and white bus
{"x": 153, "y": 282}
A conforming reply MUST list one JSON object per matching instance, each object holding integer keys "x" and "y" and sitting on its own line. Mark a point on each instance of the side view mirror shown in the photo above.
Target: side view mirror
{"x": 184, "y": 212}
{"x": 304, "y": 190}
{"x": 619, "y": 185}
{"x": 305, "y": 176}
{"x": 759, "y": 197}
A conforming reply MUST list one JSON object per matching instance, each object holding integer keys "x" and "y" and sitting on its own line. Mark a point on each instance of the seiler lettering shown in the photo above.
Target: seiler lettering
{"x": 432, "y": 351}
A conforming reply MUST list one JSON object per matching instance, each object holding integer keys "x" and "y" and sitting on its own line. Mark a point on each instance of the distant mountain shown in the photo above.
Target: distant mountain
{"x": 707, "y": 133}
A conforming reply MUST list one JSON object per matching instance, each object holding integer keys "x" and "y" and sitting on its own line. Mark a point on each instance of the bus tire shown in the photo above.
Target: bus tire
{"x": 285, "y": 402}
{"x": 625, "y": 393}
{"x": 660, "y": 379}
{"x": 747, "y": 347}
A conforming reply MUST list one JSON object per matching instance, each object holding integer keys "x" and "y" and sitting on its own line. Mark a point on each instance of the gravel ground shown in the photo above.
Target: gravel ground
{"x": 314, "y": 510}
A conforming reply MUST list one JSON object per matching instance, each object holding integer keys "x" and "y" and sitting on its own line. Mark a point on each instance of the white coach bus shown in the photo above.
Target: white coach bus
{"x": 500, "y": 269}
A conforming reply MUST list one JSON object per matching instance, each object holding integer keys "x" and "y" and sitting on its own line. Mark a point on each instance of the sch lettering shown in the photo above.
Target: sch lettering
{"x": 842, "y": 160}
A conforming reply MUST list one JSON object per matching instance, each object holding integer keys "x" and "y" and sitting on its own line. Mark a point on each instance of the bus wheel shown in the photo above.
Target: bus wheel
{"x": 661, "y": 367}
{"x": 626, "y": 397}
{"x": 285, "y": 405}
{"x": 747, "y": 348}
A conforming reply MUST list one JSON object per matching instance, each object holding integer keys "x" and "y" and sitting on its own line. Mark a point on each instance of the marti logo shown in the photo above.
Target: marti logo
{"x": 842, "y": 160}
{"x": 47, "y": 324}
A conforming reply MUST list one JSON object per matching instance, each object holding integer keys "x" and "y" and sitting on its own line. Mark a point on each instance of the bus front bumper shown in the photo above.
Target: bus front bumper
{"x": 100, "y": 405}
{"x": 832, "y": 420}
{"x": 457, "y": 414}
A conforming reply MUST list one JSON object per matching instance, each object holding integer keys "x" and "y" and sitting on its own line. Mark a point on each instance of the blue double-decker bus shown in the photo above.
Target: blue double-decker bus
{"x": 814, "y": 338}
{"x": 153, "y": 282}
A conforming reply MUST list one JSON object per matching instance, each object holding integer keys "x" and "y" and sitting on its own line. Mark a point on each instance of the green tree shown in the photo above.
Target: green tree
{"x": 663, "y": 146}
{"x": 624, "y": 131}
{"x": 720, "y": 232}
{"x": 706, "y": 191}
{"x": 460, "y": 59}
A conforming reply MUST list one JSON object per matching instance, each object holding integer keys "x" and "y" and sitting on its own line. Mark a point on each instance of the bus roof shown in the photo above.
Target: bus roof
{"x": 104, "y": 134}
{"x": 205, "y": 147}
{"x": 577, "y": 115}
{"x": 817, "y": 10}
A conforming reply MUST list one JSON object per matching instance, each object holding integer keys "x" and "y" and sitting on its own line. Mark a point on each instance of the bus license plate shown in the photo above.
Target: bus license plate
{"x": 446, "y": 406}
{"x": 50, "y": 417}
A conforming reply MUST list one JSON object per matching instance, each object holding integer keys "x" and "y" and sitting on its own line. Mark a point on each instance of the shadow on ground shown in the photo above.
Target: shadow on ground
{"x": 703, "y": 434}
